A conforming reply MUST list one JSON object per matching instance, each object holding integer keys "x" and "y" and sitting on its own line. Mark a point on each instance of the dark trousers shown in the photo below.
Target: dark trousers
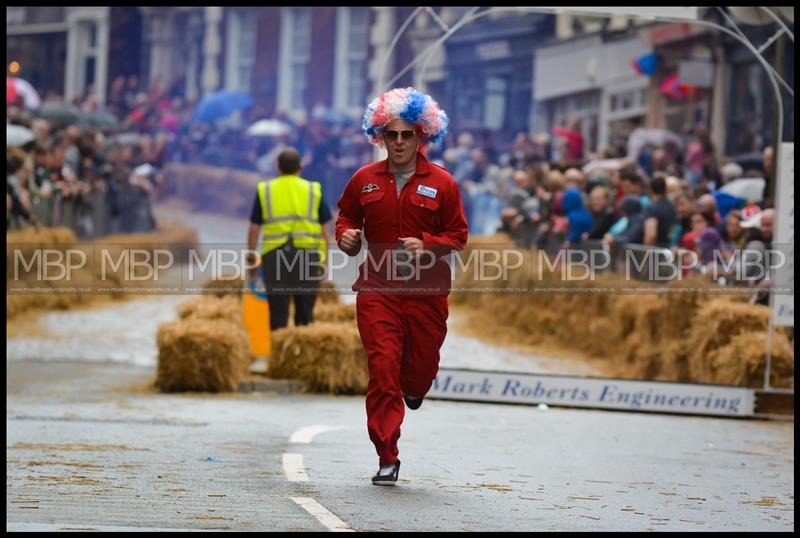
{"x": 286, "y": 276}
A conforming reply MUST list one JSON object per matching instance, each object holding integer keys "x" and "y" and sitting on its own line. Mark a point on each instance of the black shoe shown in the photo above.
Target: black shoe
{"x": 387, "y": 479}
{"x": 412, "y": 403}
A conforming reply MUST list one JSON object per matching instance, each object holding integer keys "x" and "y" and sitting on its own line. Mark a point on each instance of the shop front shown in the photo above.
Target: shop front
{"x": 489, "y": 67}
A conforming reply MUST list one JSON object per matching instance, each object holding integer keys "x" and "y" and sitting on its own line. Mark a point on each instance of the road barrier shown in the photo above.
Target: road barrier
{"x": 600, "y": 393}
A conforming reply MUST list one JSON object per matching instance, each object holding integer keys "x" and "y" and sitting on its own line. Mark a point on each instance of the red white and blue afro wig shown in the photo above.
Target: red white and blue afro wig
{"x": 408, "y": 104}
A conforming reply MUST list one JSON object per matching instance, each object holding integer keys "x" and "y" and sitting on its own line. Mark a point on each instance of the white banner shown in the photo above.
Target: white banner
{"x": 783, "y": 301}
{"x": 698, "y": 73}
{"x": 570, "y": 391}
{"x": 686, "y": 13}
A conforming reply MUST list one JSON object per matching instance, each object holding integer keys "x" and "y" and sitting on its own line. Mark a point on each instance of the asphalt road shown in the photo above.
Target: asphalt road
{"x": 89, "y": 447}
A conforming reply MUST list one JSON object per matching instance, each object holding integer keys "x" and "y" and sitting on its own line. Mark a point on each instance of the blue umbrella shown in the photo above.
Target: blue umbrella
{"x": 221, "y": 104}
{"x": 646, "y": 64}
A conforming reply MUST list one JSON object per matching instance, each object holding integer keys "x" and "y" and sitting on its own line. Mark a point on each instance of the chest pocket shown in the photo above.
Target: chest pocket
{"x": 371, "y": 197}
{"x": 418, "y": 200}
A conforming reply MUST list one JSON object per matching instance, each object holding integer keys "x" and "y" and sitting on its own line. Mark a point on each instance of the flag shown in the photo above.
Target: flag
{"x": 674, "y": 89}
{"x": 646, "y": 64}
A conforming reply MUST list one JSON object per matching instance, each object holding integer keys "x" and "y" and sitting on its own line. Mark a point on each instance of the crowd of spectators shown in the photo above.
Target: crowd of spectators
{"x": 645, "y": 196}
{"x": 544, "y": 189}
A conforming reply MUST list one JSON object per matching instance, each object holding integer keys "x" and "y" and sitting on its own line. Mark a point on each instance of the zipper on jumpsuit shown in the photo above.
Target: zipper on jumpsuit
{"x": 399, "y": 207}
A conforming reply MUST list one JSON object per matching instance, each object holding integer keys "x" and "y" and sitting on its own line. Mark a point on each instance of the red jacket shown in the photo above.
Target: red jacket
{"x": 429, "y": 208}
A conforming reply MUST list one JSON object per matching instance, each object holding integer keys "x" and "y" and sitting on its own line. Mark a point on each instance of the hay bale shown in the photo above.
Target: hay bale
{"x": 742, "y": 361}
{"x": 220, "y": 287}
{"x": 98, "y": 277}
{"x": 648, "y": 324}
{"x": 168, "y": 235}
{"x": 27, "y": 241}
{"x": 600, "y": 341}
{"x": 328, "y": 357}
{"x": 211, "y": 307}
{"x": 197, "y": 354}
{"x": 673, "y": 363}
{"x": 714, "y": 325}
{"x": 31, "y": 294}
{"x": 335, "y": 313}
{"x": 653, "y": 330}
{"x": 328, "y": 292}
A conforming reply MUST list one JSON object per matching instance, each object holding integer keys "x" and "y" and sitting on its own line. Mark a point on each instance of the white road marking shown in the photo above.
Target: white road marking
{"x": 307, "y": 434}
{"x": 322, "y": 514}
{"x": 293, "y": 467}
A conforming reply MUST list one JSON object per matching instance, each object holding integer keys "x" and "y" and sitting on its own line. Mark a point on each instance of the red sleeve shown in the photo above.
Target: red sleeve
{"x": 350, "y": 213}
{"x": 453, "y": 237}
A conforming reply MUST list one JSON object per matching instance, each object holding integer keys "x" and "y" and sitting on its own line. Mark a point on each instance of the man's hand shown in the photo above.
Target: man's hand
{"x": 412, "y": 245}
{"x": 350, "y": 239}
{"x": 253, "y": 266}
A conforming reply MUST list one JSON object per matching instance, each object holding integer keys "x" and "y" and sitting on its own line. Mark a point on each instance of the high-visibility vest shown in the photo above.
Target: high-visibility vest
{"x": 290, "y": 208}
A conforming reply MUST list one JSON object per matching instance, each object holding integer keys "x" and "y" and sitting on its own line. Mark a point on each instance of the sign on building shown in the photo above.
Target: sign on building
{"x": 699, "y": 73}
{"x": 685, "y": 13}
{"x": 783, "y": 298}
{"x": 493, "y": 50}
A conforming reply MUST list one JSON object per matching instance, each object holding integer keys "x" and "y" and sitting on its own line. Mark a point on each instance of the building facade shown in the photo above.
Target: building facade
{"x": 750, "y": 109}
{"x": 511, "y": 69}
{"x": 60, "y": 50}
{"x": 585, "y": 74}
{"x": 489, "y": 66}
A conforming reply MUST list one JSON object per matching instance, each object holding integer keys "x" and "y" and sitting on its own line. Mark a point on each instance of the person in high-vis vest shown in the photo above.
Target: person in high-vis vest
{"x": 290, "y": 214}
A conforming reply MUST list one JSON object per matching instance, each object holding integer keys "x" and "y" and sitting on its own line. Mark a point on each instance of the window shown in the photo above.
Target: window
{"x": 624, "y": 104}
{"x": 295, "y": 54}
{"x": 583, "y": 106}
{"x": 747, "y": 130}
{"x": 494, "y": 109}
{"x": 240, "y": 51}
{"x": 686, "y": 113}
{"x": 352, "y": 41}
{"x": 300, "y": 54}
{"x": 357, "y": 55}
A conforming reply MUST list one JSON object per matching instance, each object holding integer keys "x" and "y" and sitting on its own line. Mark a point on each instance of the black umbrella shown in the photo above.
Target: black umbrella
{"x": 61, "y": 114}
{"x": 97, "y": 119}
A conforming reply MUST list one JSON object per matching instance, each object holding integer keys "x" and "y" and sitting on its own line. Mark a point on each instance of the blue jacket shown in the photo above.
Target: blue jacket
{"x": 579, "y": 218}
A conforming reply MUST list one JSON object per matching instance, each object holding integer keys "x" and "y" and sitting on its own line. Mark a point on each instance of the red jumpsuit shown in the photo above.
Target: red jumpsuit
{"x": 402, "y": 321}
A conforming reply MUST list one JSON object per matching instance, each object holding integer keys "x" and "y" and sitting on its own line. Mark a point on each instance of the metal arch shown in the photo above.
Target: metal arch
{"x": 775, "y": 85}
{"x": 760, "y": 49}
{"x": 382, "y": 87}
{"x": 776, "y": 149}
{"x": 778, "y": 20}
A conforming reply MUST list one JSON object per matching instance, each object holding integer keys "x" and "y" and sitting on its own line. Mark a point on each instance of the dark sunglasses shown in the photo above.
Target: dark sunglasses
{"x": 394, "y": 135}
